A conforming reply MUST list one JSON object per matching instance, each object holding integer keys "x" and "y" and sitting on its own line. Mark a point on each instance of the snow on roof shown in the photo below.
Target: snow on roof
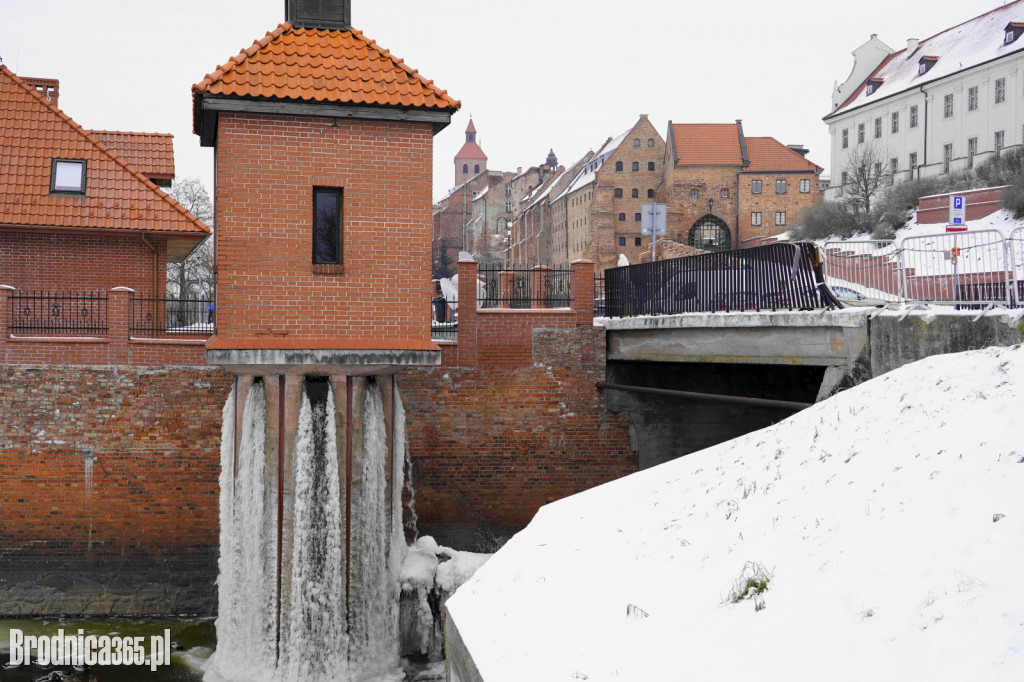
{"x": 589, "y": 171}
{"x": 886, "y": 524}
{"x": 961, "y": 47}
{"x": 481, "y": 193}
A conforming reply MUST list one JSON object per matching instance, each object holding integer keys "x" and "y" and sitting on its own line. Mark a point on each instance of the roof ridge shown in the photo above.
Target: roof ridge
{"x": 104, "y": 148}
{"x": 228, "y": 66}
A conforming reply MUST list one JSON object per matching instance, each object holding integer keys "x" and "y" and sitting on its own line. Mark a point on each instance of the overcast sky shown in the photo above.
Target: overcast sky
{"x": 533, "y": 74}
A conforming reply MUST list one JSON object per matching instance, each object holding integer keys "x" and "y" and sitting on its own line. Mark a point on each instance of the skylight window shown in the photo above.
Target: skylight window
{"x": 68, "y": 175}
{"x": 873, "y": 84}
{"x": 925, "y": 63}
{"x": 1012, "y": 32}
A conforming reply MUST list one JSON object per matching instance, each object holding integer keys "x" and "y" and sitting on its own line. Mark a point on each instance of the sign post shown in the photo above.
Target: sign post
{"x": 652, "y": 222}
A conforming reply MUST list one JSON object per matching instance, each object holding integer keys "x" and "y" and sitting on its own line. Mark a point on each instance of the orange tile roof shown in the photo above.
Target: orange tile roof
{"x": 768, "y": 154}
{"x": 151, "y": 153}
{"x": 330, "y": 66}
{"x": 703, "y": 144}
{"x": 117, "y": 197}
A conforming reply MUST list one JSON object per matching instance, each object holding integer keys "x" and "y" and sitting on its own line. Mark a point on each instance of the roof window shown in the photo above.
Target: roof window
{"x": 925, "y": 63}
{"x": 1013, "y": 31}
{"x": 874, "y": 84}
{"x": 67, "y": 176}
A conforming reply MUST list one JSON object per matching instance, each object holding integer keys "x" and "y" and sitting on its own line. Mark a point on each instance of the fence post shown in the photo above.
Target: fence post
{"x": 119, "y": 322}
{"x": 5, "y": 316}
{"x": 468, "y": 279}
{"x": 581, "y": 290}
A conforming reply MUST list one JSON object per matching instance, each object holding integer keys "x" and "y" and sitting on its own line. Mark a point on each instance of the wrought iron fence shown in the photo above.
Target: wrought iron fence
{"x": 158, "y": 317}
{"x": 444, "y": 322}
{"x": 540, "y": 287}
{"x": 57, "y": 313}
{"x": 785, "y": 276}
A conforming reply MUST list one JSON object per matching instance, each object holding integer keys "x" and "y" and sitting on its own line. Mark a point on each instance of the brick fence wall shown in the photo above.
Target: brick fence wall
{"x": 143, "y": 537}
{"x": 512, "y": 420}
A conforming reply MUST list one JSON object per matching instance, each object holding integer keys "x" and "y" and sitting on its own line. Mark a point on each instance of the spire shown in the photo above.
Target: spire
{"x": 471, "y": 132}
{"x": 552, "y": 160}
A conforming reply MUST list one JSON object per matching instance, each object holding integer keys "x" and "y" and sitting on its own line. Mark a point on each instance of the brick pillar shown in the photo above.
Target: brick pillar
{"x": 581, "y": 290}
{"x": 468, "y": 279}
{"x": 119, "y": 323}
{"x": 5, "y": 311}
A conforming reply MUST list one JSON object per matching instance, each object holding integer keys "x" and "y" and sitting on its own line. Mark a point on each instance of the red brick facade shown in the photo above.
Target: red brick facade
{"x": 980, "y": 203}
{"x": 267, "y": 287}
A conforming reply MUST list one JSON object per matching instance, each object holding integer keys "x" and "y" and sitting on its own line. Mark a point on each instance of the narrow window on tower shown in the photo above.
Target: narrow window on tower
{"x": 327, "y": 214}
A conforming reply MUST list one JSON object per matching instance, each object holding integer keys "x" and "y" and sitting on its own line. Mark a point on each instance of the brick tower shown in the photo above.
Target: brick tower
{"x": 471, "y": 160}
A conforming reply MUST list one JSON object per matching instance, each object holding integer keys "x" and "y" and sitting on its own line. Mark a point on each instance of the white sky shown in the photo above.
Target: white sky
{"x": 533, "y": 74}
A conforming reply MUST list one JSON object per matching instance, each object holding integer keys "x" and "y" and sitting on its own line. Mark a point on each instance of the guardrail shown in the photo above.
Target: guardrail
{"x": 158, "y": 317}
{"x": 50, "y": 314}
{"x": 781, "y": 276}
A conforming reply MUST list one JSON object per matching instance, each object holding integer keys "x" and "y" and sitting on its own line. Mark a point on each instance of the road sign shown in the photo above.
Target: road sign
{"x": 652, "y": 220}
{"x": 956, "y": 228}
{"x": 957, "y": 210}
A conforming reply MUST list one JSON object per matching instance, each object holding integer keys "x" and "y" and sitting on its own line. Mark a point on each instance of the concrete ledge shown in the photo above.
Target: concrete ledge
{"x": 847, "y": 317}
{"x": 320, "y": 361}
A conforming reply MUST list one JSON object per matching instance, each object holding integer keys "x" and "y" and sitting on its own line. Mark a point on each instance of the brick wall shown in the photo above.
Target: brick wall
{"x": 512, "y": 419}
{"x": 768, "y": 202}
{"x": 81, "y": 262}
{"x": 267, "y": 167}
{"x": 144, "y": 537}
{"x": 980, "y": 203}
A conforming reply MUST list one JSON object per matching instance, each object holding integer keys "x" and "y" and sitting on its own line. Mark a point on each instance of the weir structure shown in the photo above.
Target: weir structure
{"x": 322, "y": 262}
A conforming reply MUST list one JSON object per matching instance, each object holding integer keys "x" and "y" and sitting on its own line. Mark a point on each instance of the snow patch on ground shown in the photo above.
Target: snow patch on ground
{"x": 886, "y": 525}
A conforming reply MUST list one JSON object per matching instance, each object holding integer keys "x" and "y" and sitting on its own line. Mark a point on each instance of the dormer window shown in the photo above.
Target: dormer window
{"x": 925, "y": 64}
{"x": 1012, "y": 31}
{"x": 67, "y": 176}
{"x": 873, "y": 84}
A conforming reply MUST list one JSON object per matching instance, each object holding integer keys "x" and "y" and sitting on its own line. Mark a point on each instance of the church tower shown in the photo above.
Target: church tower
{"x": 470, "y": 160}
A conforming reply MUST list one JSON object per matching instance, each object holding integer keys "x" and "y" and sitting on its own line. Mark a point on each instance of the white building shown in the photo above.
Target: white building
{"x": 944, "y": 103}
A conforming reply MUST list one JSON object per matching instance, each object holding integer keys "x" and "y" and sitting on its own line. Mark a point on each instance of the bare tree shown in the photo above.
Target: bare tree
{"x": 193, "y": 277}
{"x": 864, "y": 176}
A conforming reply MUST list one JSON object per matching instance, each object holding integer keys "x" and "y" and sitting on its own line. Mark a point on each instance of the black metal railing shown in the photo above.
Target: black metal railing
{"x": 784, "y": 276}
{"x": 158, "y": 317}
{"x": 599, "y": 295}
{"x": 540, "y": 287}
{"x": 444, "y": 324}
{"x": 57, "y": 313}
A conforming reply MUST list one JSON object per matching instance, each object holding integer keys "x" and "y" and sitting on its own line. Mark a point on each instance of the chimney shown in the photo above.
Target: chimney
{"x": 49, "y": 88}
{"x": 911, "y": 46}
{"x": 322, "y": 14}
{"x": 799, "y": 149}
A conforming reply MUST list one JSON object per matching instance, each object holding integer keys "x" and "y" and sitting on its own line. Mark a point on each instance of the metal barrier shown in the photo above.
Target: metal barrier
{"x": 871, "y": 268}
{"x": 1015, "y": 263}
{"x": 781, "y": 276}
{"x": 539, "y": 287}
{"x": 156, "y": 317}
{"x": 52, "y": 313}
{"x": 444, "y": 323}
{"x": 959, "y": 268}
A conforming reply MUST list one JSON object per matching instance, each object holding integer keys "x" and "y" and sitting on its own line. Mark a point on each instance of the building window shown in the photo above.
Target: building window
{"x": 1008, "y": 37}
{"x": 947, "y": 157}
{"x": 972, "y": 98}
{"x": 805, "y": 186}
{"x": 755, "y": 186}
{"x": 636, "y": 141}
{"x": 846, "y": 138}
{"x": 327, "y": 213}
{"x": 878, "y": 127}
{"x": 637, "y": 241}
{"x": 618, "y": 165}
{"x": 508, "y": 191}
{"x": 895, "y": 122}
{"x": 894, "y": 165}
{"x": 650, "y": 194}
{"x": 912, "y": 163}
{"x": 476, "y": 167}
{"x": 947, "y": 106}
{"x": 636, "y": 165}
{"x": 694, "y": 193}
{"x": 780, "y": 217}
{"x": 465, "y": 169}
{"x": 650, "y": 165}
{"x": 913, "y": 116}
{"x": 780, "y": 186}
{"x": 1000, "y": 90}
{"x": 1000, "y": 138}
{"x": 725, "y": 193}
{"x": 636, "y": 217}
{"x": 972, "y": 149}
{"x": 860, "y": 133}
{"x": 618, "y": 192}
{"x": 622, "y": 241}
{"x": 622, "y": 216}
{"x": 68, "y": 175}
{"x": 636, "y": 193}
{"x": 755, "y": 218}
{"x": 650, "y": 142}
{"x": 508, "y": 207}
{"x": 842, "y": 181}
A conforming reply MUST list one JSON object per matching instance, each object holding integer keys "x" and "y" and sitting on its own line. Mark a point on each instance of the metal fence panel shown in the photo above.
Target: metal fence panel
{"x": 57, "y": 313}
{"x": 1015, "y": 264}
{"x": 444, "y": 323}
{"x": 781, "y": 276}
{"x": 872, "y": 268}
{"x": 540, "y": 287}
{"x": 172, "y": 317}
{"x": 960, "y": 268}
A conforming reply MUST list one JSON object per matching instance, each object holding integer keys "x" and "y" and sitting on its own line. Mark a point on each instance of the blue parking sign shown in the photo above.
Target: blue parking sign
{"x": 957, "y": 210}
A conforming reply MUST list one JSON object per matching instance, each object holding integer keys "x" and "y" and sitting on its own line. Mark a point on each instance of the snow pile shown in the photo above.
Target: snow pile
{"x": 875, "y": 536}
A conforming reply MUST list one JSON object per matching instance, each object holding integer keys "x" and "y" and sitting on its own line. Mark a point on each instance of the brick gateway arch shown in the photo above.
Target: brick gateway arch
{"x": 711, "y": 234}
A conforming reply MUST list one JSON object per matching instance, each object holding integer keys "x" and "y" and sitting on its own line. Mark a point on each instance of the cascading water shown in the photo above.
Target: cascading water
{"x": 246, "y": 622}
{"x": 403, "y": 443}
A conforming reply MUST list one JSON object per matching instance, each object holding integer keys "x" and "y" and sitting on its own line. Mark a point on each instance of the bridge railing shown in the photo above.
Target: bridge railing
{"x": 780, "y": 276}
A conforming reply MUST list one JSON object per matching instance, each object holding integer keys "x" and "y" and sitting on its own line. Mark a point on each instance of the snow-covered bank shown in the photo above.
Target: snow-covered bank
{"x": 889, "y": 521}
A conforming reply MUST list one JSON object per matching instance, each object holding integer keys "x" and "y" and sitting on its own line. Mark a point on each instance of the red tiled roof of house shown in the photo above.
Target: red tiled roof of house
{"x": 768, "y": 154}
{"x": 151, "y": 153}
{"x": 704, "y": 144}
{"x": 318, "y": 65}
{"x": 117, "y": 196}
